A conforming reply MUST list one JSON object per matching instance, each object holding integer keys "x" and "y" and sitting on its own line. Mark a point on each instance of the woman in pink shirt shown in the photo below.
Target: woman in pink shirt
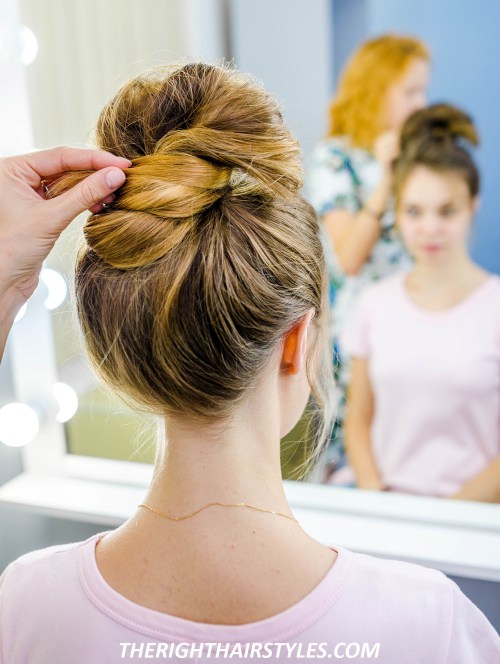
{"x": 424, "y": 396}
{"x": 202, "y": 295}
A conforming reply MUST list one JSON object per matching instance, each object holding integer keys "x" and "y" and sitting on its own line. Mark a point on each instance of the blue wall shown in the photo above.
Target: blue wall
{"x": 464, "y": 39}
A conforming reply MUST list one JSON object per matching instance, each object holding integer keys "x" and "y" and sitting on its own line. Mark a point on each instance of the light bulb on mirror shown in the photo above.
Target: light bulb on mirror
{"x": 67, "y": 399}
{"x": 5, "y": 44}
{"x": 19, "y": 424}
{"x": 56, "y": 286}
{"x": 21, "y": 312}
{"x": 29, "y": 45}
{"x": 22, "y": 44}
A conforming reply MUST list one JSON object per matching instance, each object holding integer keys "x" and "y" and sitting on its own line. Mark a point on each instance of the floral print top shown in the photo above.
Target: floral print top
{"x": 344, "y": 177}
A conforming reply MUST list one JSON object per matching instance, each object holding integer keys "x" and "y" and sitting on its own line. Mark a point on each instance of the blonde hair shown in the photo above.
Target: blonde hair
{"x": 358, "y": 106}
{"x": 208, "y": 256}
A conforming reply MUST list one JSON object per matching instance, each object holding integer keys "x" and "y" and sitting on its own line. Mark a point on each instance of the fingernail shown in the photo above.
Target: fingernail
{"x": 114, "y": 178}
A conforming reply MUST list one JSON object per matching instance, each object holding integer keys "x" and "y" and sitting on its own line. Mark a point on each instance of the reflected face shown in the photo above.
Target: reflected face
{"x": 434, "y": 214}
{"x": 408, "y": 94}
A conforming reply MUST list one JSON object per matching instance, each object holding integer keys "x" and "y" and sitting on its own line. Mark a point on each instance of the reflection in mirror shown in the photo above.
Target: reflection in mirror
{"x": 101, "y": 426}
{"x": 419, "y": 400}
{"x": 350, "y": 186}
{"x": 422, "y": 379}
{"x": 424, "y": 392}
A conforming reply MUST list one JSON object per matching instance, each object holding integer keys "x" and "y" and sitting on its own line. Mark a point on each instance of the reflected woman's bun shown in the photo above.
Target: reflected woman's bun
{"x": 195, "y": 136}
{"x": 438, "y": 137}
{"x": 439, "y": 123}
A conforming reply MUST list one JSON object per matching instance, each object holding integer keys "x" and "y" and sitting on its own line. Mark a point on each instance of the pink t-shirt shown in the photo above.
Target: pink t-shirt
{"x": 56, "y": 608}
{"x": 435, "y": 376}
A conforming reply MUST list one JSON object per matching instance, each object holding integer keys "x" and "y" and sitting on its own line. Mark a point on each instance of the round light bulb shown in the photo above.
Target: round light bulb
{"x": 67, "y": 399}
{"x": 18, "y": 424}
{"x": 29, "y": 45}
{"x": 21, "y": 312}
{"x": 6, "y": 47}
{"x": 56, "y": 286}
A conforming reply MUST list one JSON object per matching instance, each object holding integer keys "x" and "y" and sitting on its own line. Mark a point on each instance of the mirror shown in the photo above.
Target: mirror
{"x": 411, "y": 406}
{"x": 86, "y": 50}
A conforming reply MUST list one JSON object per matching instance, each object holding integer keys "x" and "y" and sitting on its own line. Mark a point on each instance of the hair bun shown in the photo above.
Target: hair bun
{"x": 194, "y": 134}
{"x": 160, "y": 191}
{"x": 173, "y": 185}
{"x": 439, "y": 123}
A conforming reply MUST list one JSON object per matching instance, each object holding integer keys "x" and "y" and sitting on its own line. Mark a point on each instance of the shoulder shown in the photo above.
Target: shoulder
{"x": 487, "y": 297}
{"x": 427, "y": 611}
{"x": 43, "y": 558}
{"x": 494, "y": 279}
{"x": 369, "y": 309}
{"x": 412, "y": 596}
{"x": 39, "y": 573}
{"x": 406, "y": 608}
{"x": 42, "y": 598}
{"x": 490, "y": 285}
{"x": 396, "y": 576}
{"x": 380, "y": 291}
{"x": 332, "y": 177}
{"x": 332, "y": 151}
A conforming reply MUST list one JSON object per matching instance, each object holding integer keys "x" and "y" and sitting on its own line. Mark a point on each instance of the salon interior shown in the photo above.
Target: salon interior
{"x": 74, "y": 460}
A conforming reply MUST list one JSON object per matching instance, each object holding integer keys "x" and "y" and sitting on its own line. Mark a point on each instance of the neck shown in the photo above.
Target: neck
{"x": 437, "y": 276}
{"x": 238, "y": 461}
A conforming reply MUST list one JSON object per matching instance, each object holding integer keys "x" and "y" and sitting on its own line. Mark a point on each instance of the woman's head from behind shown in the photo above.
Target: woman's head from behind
{"x": 193, "y": 277}
{"x": 382, "y": 84}
{"x": 436, "y": 183}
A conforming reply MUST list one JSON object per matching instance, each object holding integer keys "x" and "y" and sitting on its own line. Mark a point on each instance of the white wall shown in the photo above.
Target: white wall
{"x": 287, "y": 44}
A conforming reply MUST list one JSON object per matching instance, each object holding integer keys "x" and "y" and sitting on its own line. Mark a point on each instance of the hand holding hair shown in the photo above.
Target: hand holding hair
{"x": 386, "y": 148}
{"x": 30, "y": 224}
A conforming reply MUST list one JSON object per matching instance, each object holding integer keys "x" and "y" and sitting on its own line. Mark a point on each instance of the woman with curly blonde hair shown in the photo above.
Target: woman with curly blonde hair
{"x": 350, "y": 183}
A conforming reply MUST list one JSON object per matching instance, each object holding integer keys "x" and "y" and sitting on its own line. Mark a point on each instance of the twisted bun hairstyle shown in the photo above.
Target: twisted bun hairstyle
{"x": 194, "y": 137}
{"x": 208, "y": 256}
{"x": 437, "y": 137}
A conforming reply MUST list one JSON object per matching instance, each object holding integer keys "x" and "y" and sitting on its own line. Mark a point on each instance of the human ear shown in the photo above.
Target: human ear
{"x": 295, "y": 346}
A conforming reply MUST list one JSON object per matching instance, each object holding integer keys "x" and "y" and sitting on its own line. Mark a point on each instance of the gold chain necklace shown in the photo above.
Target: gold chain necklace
{"x": 186, "y": 516}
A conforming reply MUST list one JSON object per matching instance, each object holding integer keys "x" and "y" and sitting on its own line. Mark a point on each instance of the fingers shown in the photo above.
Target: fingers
{"x": 100, "y": 206}
{"x": 58, "y": 160}
{"x": 88, "y": 194}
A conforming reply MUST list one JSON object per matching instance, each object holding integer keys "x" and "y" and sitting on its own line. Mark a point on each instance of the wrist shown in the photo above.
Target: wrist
{"x": 371, "y": 484}
{"x": 383, "y": 189}
{"x": 386, "y": 172}
{"x": 11, "y": 301}
{"x": 374, "y": 212}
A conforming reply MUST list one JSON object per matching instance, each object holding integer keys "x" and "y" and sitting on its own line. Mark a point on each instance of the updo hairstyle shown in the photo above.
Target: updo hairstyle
{"x": 208, "y": 256}
{"x": 437, "y": 137}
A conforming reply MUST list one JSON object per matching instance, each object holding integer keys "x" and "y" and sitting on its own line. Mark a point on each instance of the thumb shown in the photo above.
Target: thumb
{"x": 87, "y": 193}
